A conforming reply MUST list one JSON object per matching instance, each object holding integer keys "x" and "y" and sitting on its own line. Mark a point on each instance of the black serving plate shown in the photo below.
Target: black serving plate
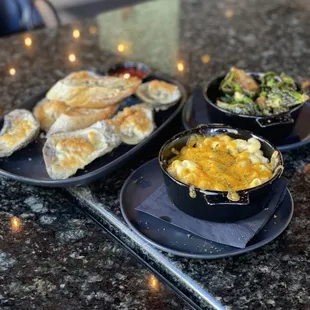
{"x": 195, "y": 112}
{"x": 27, "y": 165}
{"x": 174, "y": 240}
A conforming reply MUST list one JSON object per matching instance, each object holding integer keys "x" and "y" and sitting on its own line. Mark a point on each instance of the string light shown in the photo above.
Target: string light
{"x": 205, "y": 59}
{"x": 12, "y": 71}
{"x": 92, "y": 29}
{"x": 72, "y": 58}
{"x": 121, "y": 48}
{"x": 229, "y": 13}
{"x": 180, "y": 66}
{"x": 28, "y": 41}
{"x": 76, "y": 33}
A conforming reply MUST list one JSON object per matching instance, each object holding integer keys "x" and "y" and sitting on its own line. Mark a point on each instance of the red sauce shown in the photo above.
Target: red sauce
{"x": 128, "y": 72}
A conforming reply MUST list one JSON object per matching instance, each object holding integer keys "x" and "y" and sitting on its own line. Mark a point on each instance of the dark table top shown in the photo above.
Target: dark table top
{"x": 191, "y": 41}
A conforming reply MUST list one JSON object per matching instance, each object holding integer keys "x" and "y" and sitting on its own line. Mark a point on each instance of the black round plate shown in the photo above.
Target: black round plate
{"x": 195, "y": 113}
{"x": 27, "y": 165}
{"x": 142, "y": 182}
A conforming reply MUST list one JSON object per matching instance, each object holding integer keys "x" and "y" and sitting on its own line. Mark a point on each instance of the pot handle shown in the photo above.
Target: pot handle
{"x": 275, "y": 120}
{"x": 222, "y": 199}
{"x": 216, "y": 125}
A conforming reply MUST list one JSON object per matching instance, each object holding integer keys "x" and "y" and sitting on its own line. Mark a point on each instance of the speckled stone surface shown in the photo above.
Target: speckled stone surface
{"x": 53, "y": 257}
{"x": 208, "y": 37}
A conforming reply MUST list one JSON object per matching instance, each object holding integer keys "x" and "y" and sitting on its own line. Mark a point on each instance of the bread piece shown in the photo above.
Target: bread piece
{"x": 79, "y": 118}
{"x": 65, "y": 153}
{"x": 134, "y": 123}
{"x": 19, "y": 129}
{"x": 85, "y": 91}
{"x": 161, "y": 95}
{"x": 47, "y": 111}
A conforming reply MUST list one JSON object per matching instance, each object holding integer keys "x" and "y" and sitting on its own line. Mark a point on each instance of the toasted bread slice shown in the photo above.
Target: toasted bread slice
{"x": 78, "y": 90}
{"x": 79, "y": 118}
{"x": 47, "y": 111}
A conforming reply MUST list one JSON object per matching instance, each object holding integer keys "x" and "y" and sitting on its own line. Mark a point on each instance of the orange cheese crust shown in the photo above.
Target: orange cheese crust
{"x": 221, "y": 163}
{"x": 73, "y": 151}
{"x": 133, "y": 117}
{"x": 17, "y": 133}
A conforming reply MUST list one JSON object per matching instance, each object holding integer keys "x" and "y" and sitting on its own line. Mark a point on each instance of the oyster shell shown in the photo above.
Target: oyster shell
{"x": 134, "y": 123}
{"x": 159, "y": 94}
{"x": 65, "y": 153}
{"x": 19, "y": 129}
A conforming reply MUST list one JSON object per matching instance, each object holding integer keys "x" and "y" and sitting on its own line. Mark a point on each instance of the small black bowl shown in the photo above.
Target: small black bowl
{"x": 214, "y": 205}
{"x": 275, "y": 128}
{"x": 137, "y": 69}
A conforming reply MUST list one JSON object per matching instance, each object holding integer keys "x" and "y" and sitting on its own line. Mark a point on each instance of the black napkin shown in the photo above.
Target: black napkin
{"x": 236, "y": 234}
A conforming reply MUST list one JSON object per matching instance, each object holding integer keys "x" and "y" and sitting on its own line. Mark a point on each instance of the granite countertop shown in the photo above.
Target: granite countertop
{"x": 204, "y": 39}
{"x": 53, "y": 257}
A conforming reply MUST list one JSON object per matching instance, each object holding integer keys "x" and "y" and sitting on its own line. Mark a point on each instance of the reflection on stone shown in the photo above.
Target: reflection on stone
{"x": 16, "y": 224}
{"x": 153, "y": 283}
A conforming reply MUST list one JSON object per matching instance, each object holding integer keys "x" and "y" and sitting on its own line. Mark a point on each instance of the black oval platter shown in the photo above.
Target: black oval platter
{"x": 195, "y": 113}
{"x": 27, "y": 165}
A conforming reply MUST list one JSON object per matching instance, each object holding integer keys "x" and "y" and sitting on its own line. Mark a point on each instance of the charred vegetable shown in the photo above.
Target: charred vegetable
{"x": 243, "y": 95}
{"x": 238, "y": 80}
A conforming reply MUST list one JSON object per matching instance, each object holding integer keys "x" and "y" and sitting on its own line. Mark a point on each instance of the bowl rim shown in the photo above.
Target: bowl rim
{"x": 131, "y": 64}
{"x": 252, "y": 73}
{"x": 219, "y": 126}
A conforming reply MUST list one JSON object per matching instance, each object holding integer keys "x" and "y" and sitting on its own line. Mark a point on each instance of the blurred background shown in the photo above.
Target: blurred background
{"x": 22, "y": 15}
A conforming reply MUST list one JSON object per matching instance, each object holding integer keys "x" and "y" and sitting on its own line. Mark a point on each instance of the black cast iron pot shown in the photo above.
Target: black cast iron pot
{"x": 275, "y": 128}
{"x": 214, "y": 205}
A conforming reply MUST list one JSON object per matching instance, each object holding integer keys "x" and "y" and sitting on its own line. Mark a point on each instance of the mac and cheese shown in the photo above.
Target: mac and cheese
{"x": 221, "y": 163}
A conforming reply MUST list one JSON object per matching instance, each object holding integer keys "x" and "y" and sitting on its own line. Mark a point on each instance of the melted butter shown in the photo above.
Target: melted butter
{"x": 19, "y": 130}
{"x": 214, "y": 163}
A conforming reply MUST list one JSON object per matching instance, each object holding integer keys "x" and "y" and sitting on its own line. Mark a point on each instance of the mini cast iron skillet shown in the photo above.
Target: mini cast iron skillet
{"x": 274, "y": 128}
{"x": 214, "y": 205}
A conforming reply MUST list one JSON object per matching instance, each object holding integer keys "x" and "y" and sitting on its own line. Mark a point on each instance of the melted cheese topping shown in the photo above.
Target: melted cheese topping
{"x": 18, "y": 132}
{"x": 133, "y": 119}
{"x": 72, "y": 152}
{"x": 221, "y": 163}
{"x": 160, "y": 89}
